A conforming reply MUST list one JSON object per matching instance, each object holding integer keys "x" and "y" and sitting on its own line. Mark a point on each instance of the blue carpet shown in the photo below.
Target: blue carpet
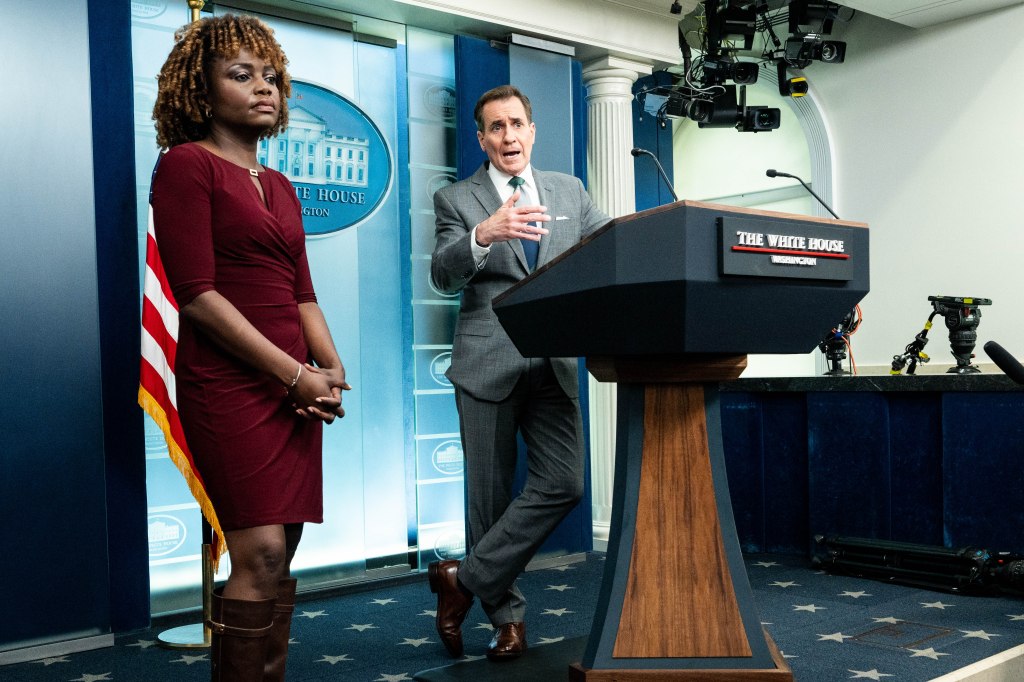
{"x": 829, "y": 627}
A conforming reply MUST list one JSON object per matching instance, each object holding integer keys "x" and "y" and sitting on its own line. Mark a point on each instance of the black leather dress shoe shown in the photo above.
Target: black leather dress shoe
{"x": 453, "y": 603}
{"x": 509, "y": 642}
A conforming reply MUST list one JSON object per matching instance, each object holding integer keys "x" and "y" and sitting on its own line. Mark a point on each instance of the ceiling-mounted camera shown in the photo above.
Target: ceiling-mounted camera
{"x": 717, "y": 71}
{"x": 716, "y": 43}
{"x": 728, "y": 111}
{"x": 802, "y": 49}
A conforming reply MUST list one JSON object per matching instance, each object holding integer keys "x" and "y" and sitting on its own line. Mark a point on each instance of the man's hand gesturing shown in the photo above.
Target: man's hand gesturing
{"x": 513, "y": 222}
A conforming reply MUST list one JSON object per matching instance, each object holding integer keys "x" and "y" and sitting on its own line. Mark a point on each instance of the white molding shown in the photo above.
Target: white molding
{"x": 1006, "y": 666}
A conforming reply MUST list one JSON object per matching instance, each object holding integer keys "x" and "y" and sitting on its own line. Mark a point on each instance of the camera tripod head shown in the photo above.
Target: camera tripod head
{"x": 962, "y": 315}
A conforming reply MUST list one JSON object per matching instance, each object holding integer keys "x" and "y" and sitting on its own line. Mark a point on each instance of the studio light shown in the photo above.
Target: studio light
{"x": 676, "y": 8}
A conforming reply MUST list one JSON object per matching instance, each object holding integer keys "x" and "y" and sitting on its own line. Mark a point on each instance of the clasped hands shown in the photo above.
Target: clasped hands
{"x": 513, "y": 222}
{"x": 317, "y": 393}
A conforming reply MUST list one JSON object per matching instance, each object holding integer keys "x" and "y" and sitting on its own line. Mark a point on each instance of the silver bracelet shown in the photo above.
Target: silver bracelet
{"x": 296, "y": 379}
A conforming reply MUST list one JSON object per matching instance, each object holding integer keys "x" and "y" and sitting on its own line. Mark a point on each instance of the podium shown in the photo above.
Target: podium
{"x": 667, "y": 303}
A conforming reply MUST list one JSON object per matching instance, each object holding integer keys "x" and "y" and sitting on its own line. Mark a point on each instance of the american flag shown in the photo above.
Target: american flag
{"x": 157, "y": 394}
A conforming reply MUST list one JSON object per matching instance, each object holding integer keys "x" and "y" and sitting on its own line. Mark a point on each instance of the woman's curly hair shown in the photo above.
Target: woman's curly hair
{"x": 182, "y": 109}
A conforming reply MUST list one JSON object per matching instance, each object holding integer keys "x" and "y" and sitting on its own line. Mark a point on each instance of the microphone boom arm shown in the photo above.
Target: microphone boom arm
{"x": 771, "y": 173}
{"x": 637, "y": 151}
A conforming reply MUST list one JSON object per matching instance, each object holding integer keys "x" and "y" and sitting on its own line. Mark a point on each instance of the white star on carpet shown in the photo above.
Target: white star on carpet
{"x": 469, "y": 659}
{"x": 86, "y": 677}
{"x": 834, "y": 637}
{"x": 788, "y": 583}
{"x": 927, "y": 653}
{"x": 56, "y": 659}
{"x": 563, "y": 568}
{"x": 934, "y": 605}
{"x": 428, "y": 612}
{"x": 887, "y": 619}
{"x": 979, "y": 634}
{"x": 810, "y": 608}
{"x": 484, "y": 626}
{"x": 1019, "y": 616}
{"x": 414, "y": 642}
{"x": 785, "y": 655}
{"x": 550, "y": 640}
{"x": 766, "y": 564}
{"x": 312, "y": 614}
{"x": 560, "y": 588}
{"x": 361, "y": 628}
{"x": 556, "y": 612}
{"x": 334, "y": 659}
{"x": 868, "y": 674}
{"x": 144, "y": 643}
{"x": 855, "y": 595}
{"x": 384, "y": 677}
{"x": 189, "y": 660}
{"x": 382, "y": 602}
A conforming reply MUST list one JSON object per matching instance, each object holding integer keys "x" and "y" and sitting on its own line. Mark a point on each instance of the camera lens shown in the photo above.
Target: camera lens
{"x": 699, "y": 110}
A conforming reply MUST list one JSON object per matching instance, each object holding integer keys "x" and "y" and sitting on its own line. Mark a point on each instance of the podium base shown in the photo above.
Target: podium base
{"x": 780, "y": 673}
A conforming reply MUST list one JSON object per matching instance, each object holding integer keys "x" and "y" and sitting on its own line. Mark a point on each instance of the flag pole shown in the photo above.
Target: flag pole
{"x": 196, "y": 6}
{"x": 196, "y": 635}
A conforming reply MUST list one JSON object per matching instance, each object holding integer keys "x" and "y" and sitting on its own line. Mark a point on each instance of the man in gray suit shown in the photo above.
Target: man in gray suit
{"x": 492, "y": 230}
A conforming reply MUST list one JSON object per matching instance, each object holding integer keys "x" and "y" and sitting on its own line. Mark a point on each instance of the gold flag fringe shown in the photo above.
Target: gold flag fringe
{"x": 154, "y": 410}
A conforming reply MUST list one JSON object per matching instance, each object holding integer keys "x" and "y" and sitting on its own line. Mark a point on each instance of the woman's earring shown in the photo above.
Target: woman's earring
{"x": 206, "y": 111}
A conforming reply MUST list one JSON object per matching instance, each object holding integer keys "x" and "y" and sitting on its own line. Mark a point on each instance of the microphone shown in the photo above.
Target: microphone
{"x": 771, "y": 173}
{"x": 1005, "y": 361}
{"x": 637, "y": 151}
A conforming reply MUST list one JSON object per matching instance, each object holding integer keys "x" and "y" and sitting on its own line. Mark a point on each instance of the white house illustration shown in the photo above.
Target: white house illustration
{"x": 310, "y": 153}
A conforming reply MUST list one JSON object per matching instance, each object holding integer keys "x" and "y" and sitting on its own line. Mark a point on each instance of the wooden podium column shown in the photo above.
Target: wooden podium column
{"x": 675, "y": 602}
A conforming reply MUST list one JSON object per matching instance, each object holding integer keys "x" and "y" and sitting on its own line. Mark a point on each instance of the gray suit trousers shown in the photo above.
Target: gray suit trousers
{"x": 504, "y": 533}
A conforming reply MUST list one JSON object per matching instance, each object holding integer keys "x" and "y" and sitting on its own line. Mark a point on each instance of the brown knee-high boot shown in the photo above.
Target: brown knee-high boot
{"x": 277, "y": 652}
{"x": 240, "y": 632}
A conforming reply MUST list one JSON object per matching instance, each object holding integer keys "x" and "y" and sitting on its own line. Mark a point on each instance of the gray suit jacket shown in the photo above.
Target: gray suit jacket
{"x": 485, "y": 363}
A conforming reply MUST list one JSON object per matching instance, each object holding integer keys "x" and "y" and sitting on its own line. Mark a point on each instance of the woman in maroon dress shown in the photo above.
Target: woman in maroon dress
{"x": 256, "y": 369}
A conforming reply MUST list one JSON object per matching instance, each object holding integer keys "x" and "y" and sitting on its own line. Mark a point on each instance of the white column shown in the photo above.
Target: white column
{"x": 609, "y": 82}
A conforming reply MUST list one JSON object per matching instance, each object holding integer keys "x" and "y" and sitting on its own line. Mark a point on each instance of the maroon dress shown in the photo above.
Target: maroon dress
{"x": 261, "y": 463}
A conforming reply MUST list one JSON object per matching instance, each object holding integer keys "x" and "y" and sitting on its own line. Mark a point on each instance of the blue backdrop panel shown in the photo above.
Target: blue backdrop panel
{"x": 785, "y": 469}
{"x": 53, "y": 492}
{"x": 437, "y": 526}
{"x": 765, "y": 443}
{"x": 849, "y": 488}
{"x": 983, "y": 437}
{"x": 546, "y": 78}
{"x": 117, "y": 273}
{"x": 915, "y": 422}
{"x": 383, "y": 319}
{"x": 579, "y": 123}
{"x": 922, "y": 465}
{"x": 655, "y": 136}
{"x": 743, "y": 444}
{"x": 478, "y": 68}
